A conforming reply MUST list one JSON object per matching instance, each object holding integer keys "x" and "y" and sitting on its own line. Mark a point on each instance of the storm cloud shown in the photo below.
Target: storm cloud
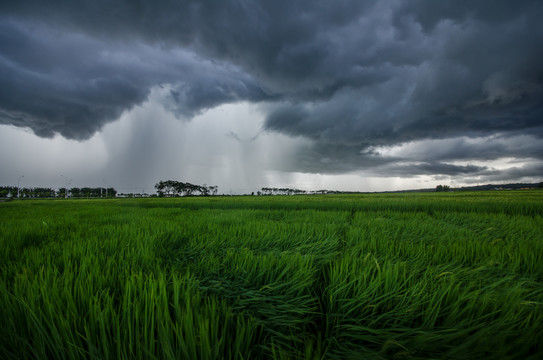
{"x": 445, "y": 81}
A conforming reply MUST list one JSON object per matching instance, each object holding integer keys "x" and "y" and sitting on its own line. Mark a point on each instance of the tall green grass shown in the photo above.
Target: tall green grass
{"x": 377, "y": 276}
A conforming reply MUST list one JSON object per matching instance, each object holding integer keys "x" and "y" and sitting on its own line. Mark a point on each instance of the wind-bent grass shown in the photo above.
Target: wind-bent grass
{"x": 301, "y": 277}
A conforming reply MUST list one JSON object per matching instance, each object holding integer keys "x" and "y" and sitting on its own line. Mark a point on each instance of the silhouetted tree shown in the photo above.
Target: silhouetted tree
{"x": 177, "y": 188}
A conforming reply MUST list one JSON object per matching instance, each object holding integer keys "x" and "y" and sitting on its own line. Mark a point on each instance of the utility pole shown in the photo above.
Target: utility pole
{"x": 67, "y": 183}
{"x": 18, "y": 182}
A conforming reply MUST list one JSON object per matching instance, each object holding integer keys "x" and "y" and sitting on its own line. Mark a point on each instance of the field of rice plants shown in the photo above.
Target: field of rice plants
{"x": 378, "y": 276}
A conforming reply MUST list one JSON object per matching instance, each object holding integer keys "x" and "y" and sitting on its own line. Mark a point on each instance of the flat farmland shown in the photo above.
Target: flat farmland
{"x": 377, "y": 276}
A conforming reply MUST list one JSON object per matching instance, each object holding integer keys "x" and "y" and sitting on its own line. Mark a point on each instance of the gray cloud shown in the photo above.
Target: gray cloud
{"x": 348, "y": 75}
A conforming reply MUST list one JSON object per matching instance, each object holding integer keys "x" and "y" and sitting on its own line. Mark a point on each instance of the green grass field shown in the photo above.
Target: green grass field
{"x": 381, "y": 276}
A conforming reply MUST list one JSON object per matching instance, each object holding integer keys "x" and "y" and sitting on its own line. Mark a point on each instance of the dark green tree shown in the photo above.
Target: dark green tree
{"x": 74, "y": 192}
{"x": 177, "y": 188}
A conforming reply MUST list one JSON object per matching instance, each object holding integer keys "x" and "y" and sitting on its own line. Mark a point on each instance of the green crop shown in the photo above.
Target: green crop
{"x": 378, "y": 276}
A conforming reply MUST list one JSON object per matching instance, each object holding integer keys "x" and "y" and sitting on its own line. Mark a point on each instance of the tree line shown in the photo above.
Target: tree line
{"x": 442, "y": 188}
{"x": 288, "y": 191}
{"x": 280, "y": 191}
{"x": 43, "y": 192}
{"x": 172, "y": 188}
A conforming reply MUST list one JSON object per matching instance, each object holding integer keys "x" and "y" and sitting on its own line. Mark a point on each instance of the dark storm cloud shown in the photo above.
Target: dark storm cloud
{"x": 315, "y": 157}
{"x": 514, "y": 173}
{"x": 474, "y": 78}
{"x": 437, "y": 168}
{"x": 71, "y": 83}
{"x": 51, "y": 89}
{"x": 349, "y": 75}
{"x": 481, "y": 149}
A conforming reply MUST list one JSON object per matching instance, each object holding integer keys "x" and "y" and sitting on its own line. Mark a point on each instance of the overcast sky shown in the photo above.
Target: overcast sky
{"x": 343, "y": 95}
